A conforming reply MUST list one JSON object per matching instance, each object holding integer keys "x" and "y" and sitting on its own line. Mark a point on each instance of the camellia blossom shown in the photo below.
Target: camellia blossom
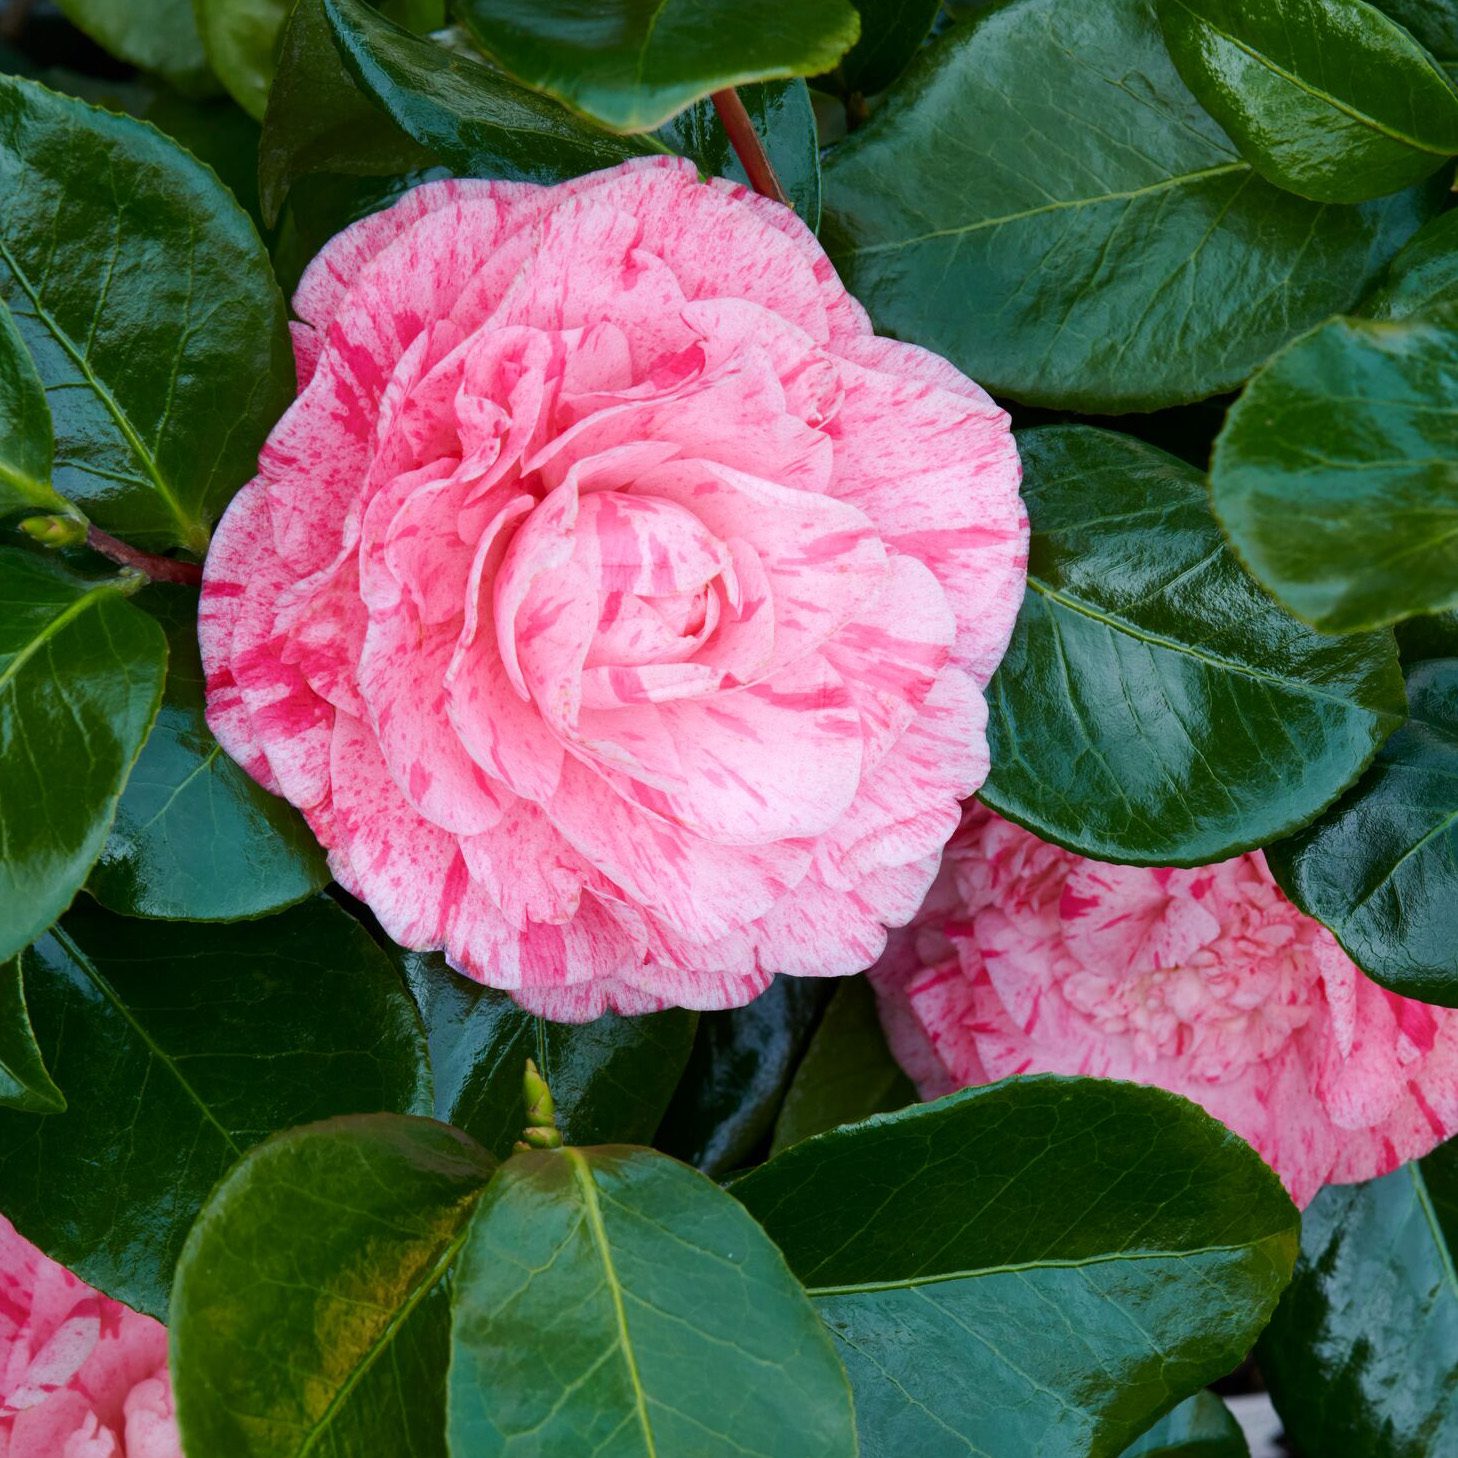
{"x": 613, "y": 602}
{"x": 1027, "y": 958}
{"x": 81, "y": 1375}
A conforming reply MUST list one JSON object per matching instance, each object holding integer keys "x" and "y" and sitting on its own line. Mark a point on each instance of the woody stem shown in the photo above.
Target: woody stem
{"x": 159, "y": 569}
{"x": 747, "y": 145}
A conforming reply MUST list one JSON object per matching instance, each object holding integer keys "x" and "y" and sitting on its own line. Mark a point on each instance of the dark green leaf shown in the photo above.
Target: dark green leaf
{"x": 148, "y": 303}
{"x": 157, "y": 35}
{"x": 1362, "y": 1354}
{"x": 611, "y": 1079}
{"x": 611, "y": 1300}
{"x": 1038, "y": 1266}
{"x": 178, "y": 1046}
{"x": 25, "y": 428}
{"x": 891, "y": 34}
{"x": 1155, "y": 706}
{"x": 318, "y": 120}
{"x": 1329, "y": 98}
{"x": 1380, "y": 868}
{"x": 1334, "y": 474}
{"x": 1200, "y": 1427}
{"x": 1434, "y": 23}
{"x": 633, "y": 66}
{"x": 308, "y": 1315}
{"x": 482, "y": 124}
{"x": 195, "y": 837}
{"x": 81, "y": 673}
{"x": 847, "y": 1072}
{"x": 24, "y": 1082}
{"x": 1434, "y": 636}
{"x": 1423, "y": 274}
{"x": 1043, "y": 201}
{"x": 742, "y": 1063}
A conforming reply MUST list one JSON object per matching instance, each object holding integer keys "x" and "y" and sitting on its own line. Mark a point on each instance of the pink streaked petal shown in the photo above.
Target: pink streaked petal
{"x": 324, "y": 623}
{"x": 380, "y": 588}
{"x": 818, "y": 932}
{"x": 424, "y": 551}
{"x": 701, "y": 890}
{"x": 1123, "y": 915}
{"x": 402, "y": 671}
{"x": 307, "y": 345}
{"x": 649, "y": 547}
{"x": 527, "y": 868}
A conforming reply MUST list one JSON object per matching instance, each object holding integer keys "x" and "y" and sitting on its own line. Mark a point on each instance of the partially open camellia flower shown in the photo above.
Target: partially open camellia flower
{"x": 81, "y": 1375}
{"x": 615, "y": 605}
{"x": 1028, "y": 958}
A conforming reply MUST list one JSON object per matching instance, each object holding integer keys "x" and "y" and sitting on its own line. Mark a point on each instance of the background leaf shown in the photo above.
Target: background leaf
{"x": 1329, "y": 99}
{"x": 195, "y": 836}
{"x": 24, "y": 1082}
{"x": 609, "y": 1299}
{"x": 1038, "y": 1266}
{"x": 741, "y": 1065}
{"x": 891, "y": 34}
{"x": 1380, "y": 868}
{"x": 633, "y": 66}
{"x": 847, "y": 1072}
{"x": 1423, "y": 274}
{"x": 157, "y": 35}
{"x": 241, "y": 40}
{"x": 611, "y": 1079}
{"x": 1125, "y": 256}
{"x": 1200, "y": 1427}
{"x": 1434, "y": 23}
{"x": 25, "y": 428}
{"x": 1155, "y": 707}
{"x": 1362, "y": 1353}
{"x": 309, "y": 1315}
{"x": 1334, "y": 472}
{"x": 148, "y": 303}
{"x": 81, "y": 673}
{"x": 178, "y": 1046}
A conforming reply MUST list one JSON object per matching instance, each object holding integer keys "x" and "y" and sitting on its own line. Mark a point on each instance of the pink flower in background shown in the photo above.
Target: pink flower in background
{"x": 81, "y": 1375}
{"x": 615, "y": 605}
{"x": 1027, "y": 958}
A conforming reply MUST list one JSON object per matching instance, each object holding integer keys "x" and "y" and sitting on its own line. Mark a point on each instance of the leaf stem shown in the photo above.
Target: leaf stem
{"x": 159, "y": 569}
{"x": 747, "y": 145}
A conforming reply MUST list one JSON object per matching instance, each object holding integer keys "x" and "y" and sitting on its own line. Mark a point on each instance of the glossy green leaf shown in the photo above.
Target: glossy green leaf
{"x": 742, "y": 1063}
{"x": 1362, "y": 1354}
{"x": 81, "y": 673}
{"x": 1424, "y": 273}
{"x": 157, "y": 35}
{"x": 24, "y": 1082}
{"x": 1380, "y": 868}
{"x": 482, "y": 124}
{"x": 25, "y": 428}
{"x": 1429, "y": 636}
{"x": 148, "y": 303}
{"x": 195, "y": 837}
{"x": 611, "y": 1079}
{"x": 308, "y": 1315}
{"x": 178, "y": 1046}
{"x": 1041, "y": 200}
{"x": 612, "y": 1300}
{"x": 847, "y": 1073}
{"x": 891, "y": 34}
{"x": 1334, "y": 474}
{"x": 1155, "y": 707}
{"x": 318, "y": 120}
{"x": 1329, "y": 98}
{"x": 1433, "y": 23}
{"x": 632, "y": 65}
{"x": 1200, "y": 1427}
{"x": 1043, "y": 1265}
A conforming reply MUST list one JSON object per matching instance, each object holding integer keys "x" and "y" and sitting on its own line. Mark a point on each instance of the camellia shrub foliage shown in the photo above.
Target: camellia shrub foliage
{"x": 727, "y": 728}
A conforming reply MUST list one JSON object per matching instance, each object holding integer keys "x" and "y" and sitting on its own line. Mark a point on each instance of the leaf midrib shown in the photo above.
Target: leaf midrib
{"x": 1156, "y": 640}
{"x": 1335, "y": 102}
{"x": 593, "y": 1213}
{"x": 89, "y": 599}
{"x": 123, "y": 423}
{"x": 908, "y": 1283}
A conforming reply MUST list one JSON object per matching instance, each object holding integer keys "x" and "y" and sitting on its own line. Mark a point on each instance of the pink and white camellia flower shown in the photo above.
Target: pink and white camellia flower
{"x": 613, "y": 602}
{"x": 81, "y": 1375}
{"x": 1027, "y": 958}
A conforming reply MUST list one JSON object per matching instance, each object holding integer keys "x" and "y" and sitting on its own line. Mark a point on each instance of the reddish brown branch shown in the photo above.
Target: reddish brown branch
{"x": 159, "y": 569}
{"x": 747, "y": 145}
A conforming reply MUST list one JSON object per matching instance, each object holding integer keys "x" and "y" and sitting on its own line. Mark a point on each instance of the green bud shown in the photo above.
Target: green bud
{"x": 541, "y": 1113}
{"x": 55, "y": 530}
